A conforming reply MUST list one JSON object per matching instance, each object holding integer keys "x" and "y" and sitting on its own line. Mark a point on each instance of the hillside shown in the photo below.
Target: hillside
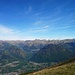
{"x": 66, "y": 68}
{"x": 53, "y": 53}
{"x": 8, "y": 51}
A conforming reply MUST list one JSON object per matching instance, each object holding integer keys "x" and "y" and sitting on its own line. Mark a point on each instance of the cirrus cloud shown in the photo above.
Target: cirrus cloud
{"x": 5, "y": 30}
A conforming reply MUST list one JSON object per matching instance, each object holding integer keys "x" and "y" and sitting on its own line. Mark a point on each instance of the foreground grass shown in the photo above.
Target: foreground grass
{"x": 67, "y": 68}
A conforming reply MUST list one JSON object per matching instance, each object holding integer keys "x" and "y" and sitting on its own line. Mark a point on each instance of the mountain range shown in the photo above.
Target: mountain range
{"x": 49, "y": 52}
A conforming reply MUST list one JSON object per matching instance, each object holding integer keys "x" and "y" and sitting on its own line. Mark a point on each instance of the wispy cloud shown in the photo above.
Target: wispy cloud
{"x": 46, "y": 27}
{"x": 7, "y": 33}
{"x": 40, "y": 29}
{"x": 56, "y": 19}
{"x": 28, "y": 10}
{"x": 73, "y": 20}
{"x": 37, "y": 14}
{"x": 38, "y": 23}
{"x": 5, "y": 30}
{"x": 65, "y": 27}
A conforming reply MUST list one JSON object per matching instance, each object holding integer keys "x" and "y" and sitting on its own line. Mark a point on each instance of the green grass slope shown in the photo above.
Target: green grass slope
{"x": 66, "y": 68}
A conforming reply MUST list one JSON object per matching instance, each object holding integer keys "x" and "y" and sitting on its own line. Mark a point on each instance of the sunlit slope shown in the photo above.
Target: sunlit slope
{"x": 67, "y": 68}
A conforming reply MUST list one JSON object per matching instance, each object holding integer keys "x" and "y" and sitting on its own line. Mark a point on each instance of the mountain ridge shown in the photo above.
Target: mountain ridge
{"x": 52, "y": 53}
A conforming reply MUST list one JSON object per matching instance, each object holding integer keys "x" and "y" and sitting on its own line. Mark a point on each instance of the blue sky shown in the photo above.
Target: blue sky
{"x": 37, "y": 19}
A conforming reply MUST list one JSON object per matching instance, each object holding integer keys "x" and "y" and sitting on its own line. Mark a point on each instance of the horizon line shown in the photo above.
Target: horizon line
{"x": 36, "y": 39}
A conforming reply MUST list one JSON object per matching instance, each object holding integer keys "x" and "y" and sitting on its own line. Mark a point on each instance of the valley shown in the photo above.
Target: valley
{"x": 28, "y": 56}
{"x": 66, "y": 68}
